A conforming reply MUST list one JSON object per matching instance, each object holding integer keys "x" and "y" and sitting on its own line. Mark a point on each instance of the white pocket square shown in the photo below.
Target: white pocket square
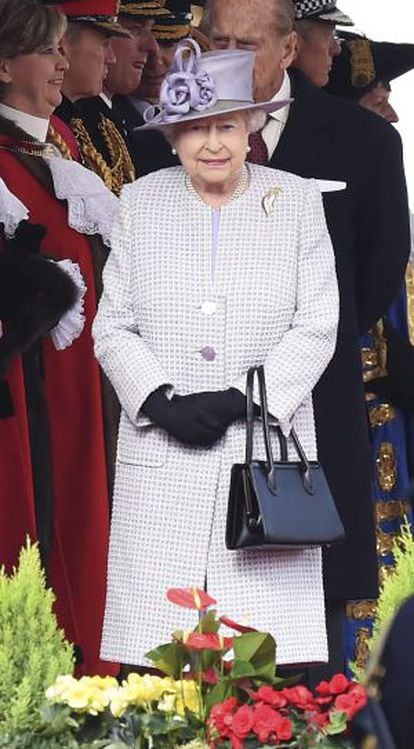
{"x": 331, "y": 185}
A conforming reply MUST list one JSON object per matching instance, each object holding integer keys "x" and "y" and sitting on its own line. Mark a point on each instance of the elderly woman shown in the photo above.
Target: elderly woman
{"x": 53, "y": 468}
{"x": 216, "y": 266}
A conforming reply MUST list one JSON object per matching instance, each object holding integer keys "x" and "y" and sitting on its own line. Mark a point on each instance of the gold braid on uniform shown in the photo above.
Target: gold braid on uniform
{"x": 362, "y": 63}
{"x": 60, "y": 143}
{"x": 91, "y": 158}
{"x": 122, "y": 168}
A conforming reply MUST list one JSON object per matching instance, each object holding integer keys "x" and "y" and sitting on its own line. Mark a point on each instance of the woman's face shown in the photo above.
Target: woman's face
{"x": 213, "y": 150}
{"x": 34, "y": 80}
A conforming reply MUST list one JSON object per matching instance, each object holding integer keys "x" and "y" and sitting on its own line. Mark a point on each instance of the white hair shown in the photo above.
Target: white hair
{"x": 256, "y": 119}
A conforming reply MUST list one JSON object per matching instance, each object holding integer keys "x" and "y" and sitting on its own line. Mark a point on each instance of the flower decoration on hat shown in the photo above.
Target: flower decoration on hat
{"x": 187, "y": 86}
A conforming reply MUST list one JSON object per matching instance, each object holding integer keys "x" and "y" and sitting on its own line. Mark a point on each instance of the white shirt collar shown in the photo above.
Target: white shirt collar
{"x": 284, "y": 93}
{"x": 37, "y": 127}
{"x": 106, "y": 99}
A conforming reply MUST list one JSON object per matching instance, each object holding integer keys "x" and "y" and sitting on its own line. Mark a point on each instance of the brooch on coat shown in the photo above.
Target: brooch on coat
{"x": 269, "y": 200}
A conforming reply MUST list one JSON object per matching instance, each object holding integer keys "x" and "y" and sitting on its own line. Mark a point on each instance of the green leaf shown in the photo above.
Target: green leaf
{"x": 169, "y": 658}
{"x": 259, "y": 650}
{"x": 219, "y": 693}
{"x": 337, "y": 723}
{"x": 209, "y": 622}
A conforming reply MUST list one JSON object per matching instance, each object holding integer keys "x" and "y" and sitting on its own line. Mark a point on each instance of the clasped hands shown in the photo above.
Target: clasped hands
{"x": 198, "y": 419}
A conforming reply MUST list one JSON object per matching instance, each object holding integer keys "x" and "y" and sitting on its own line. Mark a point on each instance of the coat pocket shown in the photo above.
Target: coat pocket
{"x": 141, "y": 446}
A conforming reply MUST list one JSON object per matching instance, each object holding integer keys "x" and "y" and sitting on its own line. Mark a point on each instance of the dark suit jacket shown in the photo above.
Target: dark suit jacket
{"x": 329, "y": 138}
{"x": 150, "y": 149}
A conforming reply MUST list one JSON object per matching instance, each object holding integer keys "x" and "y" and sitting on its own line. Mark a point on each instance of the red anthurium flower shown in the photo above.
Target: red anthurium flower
{"x": 243, "y": 720}
{"x": 234, "y": 625}
{"x": 190, "y": 598}
{"x": 209, "y": 676}
{"x": 207, "y": 641}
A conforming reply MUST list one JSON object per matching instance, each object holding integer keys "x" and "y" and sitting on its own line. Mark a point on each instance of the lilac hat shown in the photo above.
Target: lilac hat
{"x": 203, "y": 85}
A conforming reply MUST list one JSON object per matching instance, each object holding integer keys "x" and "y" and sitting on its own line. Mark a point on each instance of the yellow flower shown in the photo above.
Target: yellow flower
{"x": 90, "y": 694}
{"x": 188, "y": 697}
{"x": 62, "y": 683}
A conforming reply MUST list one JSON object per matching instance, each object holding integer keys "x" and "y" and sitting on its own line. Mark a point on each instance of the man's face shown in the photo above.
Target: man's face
{"x": 158, "y": 63}
{"x": 377, "y": 100}
{"x": 317, "y": 46}
{"x": 125, "y": 74}
{"x": 89, "y": 54}
{"x": 254, "y": 27}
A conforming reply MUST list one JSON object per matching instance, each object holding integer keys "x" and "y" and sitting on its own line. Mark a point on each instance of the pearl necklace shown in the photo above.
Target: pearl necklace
{"x": 238, "y": 192}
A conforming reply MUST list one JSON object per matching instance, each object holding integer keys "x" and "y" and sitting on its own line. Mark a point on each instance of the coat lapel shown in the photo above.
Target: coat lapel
{"x": 301, "y": 146}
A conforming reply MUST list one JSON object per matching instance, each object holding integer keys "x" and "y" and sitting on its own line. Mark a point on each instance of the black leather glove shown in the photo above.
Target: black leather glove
{"x": 226, "y": 406}
{"x": 34, "y": 293}
{"x": 198, "y": 419}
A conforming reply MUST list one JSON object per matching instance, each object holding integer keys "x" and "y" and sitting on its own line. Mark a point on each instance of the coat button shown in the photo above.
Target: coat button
{"x": 208, "y": 308}
{"x": 208, "y": 353}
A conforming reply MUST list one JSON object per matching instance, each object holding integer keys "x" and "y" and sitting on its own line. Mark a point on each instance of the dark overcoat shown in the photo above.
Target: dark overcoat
{"x": 332, "y": 139}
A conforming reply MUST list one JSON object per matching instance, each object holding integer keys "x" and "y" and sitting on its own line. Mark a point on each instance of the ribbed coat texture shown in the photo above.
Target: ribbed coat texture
{"x": 276, "y": 301}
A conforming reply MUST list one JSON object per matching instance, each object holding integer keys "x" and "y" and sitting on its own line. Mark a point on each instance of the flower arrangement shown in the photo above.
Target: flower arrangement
{"x": 215, "y": 692}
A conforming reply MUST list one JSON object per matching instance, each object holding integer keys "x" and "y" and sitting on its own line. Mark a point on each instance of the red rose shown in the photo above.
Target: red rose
{"x": 236, "y": 742}
{"x": 359, "y": 695}
{"x": 323, "y": 688}
{"x": 266, "y": 721}
{"x": 299, "y": 697}
{"x": 221, "y": 716}
{"x": 283, "y": 728}
{"x": 321, "y": 719}
{"x": 338, "y": 684}
{"x": 352, "y": 702}
{"x": 242, "y": 722}
{"x": 270, "y": 696}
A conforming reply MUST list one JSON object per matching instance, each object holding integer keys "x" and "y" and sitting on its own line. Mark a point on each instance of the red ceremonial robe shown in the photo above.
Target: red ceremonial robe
{"x": 77, "y": 568}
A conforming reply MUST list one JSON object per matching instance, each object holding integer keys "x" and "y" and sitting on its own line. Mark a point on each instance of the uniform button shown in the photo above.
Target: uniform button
{"x": 208, "y": 308}
{"x": 208, "y": 353}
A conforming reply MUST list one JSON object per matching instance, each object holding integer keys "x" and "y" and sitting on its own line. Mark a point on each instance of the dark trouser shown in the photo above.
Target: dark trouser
{"x": 312, "y": 675}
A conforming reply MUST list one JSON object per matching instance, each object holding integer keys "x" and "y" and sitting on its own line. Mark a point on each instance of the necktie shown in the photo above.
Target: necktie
{"x": 258, "y": 149}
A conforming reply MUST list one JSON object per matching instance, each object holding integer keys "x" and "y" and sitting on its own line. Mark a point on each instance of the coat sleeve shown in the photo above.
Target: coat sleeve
{"x": 383, "y": 231}
{"x": 294, "y": 365}
{"x": 126, "y": 359}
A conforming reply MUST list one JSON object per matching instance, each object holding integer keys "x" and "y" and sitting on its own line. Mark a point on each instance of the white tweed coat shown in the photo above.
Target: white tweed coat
{"x": 276, "y": 302}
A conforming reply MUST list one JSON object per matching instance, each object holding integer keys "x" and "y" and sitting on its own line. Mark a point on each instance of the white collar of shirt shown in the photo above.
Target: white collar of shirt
{"x": 106, "y": 99}
{"x": 37, "y": 127}
{"x": 277, "y": 120}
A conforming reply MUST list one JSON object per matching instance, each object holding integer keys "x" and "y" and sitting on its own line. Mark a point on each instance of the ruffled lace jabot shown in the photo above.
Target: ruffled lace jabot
{"x": 92, "y": 208}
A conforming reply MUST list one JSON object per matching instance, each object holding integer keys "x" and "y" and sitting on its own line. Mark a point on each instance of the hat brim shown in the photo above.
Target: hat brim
{"x": 332, "y": 16}
{"x": 110, "y": 28}
{"x": 149, "y": 11}
{"x": 221, "y": 107}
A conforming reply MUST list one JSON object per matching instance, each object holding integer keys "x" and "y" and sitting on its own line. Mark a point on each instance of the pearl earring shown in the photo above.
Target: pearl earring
{"x": 248, "y": 149}
{"x": 174, "y": 151}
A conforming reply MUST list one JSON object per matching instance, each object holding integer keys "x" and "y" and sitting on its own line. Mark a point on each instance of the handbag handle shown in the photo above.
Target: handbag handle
{"x": 271, "y": 474}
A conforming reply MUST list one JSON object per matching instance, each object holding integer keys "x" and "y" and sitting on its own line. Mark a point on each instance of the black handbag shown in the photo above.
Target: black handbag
{"x": 278, "y": 505}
